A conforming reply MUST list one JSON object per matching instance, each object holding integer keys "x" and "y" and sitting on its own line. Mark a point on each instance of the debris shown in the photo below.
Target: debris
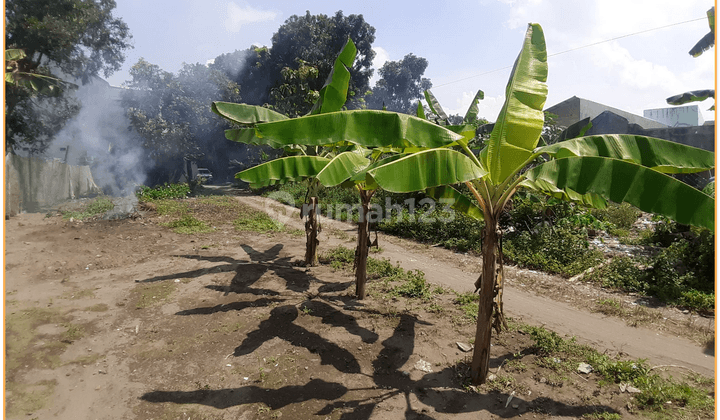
{"x": 228, "y": 365}
{"x": 464, "y": 347}
{"x": 629, "y": 389}
{"x": 423, "y": 366}
{"x": 516, "y": 406}
{"x": 177, "y": 280}
{"x": 509, "y": 399}
{"x": 585, "y": 368}
{"x": 491, "y": 377}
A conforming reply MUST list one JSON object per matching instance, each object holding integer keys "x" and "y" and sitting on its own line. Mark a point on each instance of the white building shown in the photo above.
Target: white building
{"x": 678, "y": 116}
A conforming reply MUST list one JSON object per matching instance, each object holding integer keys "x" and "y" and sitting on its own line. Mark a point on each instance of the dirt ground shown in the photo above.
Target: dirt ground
{"x": 124, "y": 319}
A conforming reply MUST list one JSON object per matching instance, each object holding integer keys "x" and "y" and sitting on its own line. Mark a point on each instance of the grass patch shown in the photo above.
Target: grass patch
{"x": 72, "y": 333}
{"x": 163, "y": 192}
{"x": 468, "y": 303}
{"x": 189, "y": 225}
{"x": 173, "y": 208}
{"x": 94, "y": 208}
{"x": 257, "y": 221}
{"x": 154, "y": 294}
{"x": 28, "y": 398}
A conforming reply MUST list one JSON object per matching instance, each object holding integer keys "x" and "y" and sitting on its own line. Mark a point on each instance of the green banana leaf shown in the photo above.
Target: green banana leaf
{"x": 279, "y": 171}
{"x": 708, "y": 40}
{"x": 427, "y": 169}
{"x": 621, "y": 181}
{"x": 368, "y": 128}
{"x": 247, "y": 136}
{"x": 693, "y": 96}
{"x": 246, "y": 114}
{"x": 420, "y": 113}
{"x": 435, "y": 105}
{"x": 334, "y": 93}
{"x": 472, "y": 112}
{"x": 567, "y": 194}
{"x": 521, "y": 118}
{"x": 709, "y": 189}
{"x": 14, "y": 54}
{"x": 458, "y": 201}
{"x": 341, "y": 168}
{"x": 657, "y": 154}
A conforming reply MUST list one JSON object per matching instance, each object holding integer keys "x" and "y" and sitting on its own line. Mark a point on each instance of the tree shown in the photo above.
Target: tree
{"x": 75, "y": 39}
{"x": 400, "y": 85}
{"x": 591, "y": 170}
{"x": 171, "y": 115}
{"x": 309, "y": 41}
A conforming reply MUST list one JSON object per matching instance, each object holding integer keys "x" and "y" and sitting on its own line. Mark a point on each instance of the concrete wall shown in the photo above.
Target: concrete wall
{"x": 34, "y": 184}
{"x": 679, "y": 116}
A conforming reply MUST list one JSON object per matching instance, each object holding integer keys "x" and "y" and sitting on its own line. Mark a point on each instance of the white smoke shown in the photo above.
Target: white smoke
{"x": 98, "y": 136}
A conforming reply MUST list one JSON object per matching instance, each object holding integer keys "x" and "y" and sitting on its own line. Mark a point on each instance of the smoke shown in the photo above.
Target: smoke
{"x": 99, "y": 137}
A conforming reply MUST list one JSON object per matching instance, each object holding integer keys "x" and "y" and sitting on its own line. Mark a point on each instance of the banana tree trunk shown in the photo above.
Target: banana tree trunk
{"x": 481, "y": 355}
{"x": 361, "y": 253}
{"x": 311, "y": 233}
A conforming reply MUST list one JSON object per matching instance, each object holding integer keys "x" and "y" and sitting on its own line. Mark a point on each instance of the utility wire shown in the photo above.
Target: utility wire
{"x": 577, "y": 48}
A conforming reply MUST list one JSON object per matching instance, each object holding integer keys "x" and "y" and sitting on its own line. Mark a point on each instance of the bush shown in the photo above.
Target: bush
{"x": 163, "y": 192}
{"x": 560, "y": 250}
{"x": 621, "y": 273}
{"x": 622, "y": 215}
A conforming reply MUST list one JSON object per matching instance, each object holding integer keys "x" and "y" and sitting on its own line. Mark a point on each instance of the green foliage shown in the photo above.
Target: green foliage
{"x": 75, "y": 37}
{"x": 163, "y": 192}
{"x": 657, "y": 392}
{"x": 436, "y": 226}
{"x": 560, "y": 249}
{"x": 414, "y": 286}
{"x": 189, "y": 225}
{"x": 468, "y": 303}
{"x": 257, "y": 221}
{"x": 94, "y": 208}
{"x": 621, "y": 215}
{"x": 621, "y": 273}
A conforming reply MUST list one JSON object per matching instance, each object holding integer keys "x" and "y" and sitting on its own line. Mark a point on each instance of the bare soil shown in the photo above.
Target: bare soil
{"x": 125, "y": 319}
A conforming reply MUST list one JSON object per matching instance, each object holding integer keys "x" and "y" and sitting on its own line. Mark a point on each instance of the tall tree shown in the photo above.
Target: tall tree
{"x": 75, "y": 39}
{"x": 171, "y": 115}
{"x": 401, "y": 84}
{"x": 315, "y": 40}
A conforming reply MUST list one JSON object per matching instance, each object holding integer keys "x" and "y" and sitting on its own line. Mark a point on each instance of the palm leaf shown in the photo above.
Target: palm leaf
{"x": 521, "y": 119}
{"x": 427, "y": 169}
{"x": 279, "y": 171}
{"x": 657, "y": 154}
{"x": 621, "y": 181}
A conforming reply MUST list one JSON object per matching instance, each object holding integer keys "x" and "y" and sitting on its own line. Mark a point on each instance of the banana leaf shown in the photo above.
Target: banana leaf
{"x": 567, "y": 194}
{"x": 708, "y": 40}
{"x": 279, "y": 171}
{"x": 693, "y": 96}
{"x": 246, "y": 114}
{"x": 435, "y": 105}
{"x": 621, "y": 181}
{"x": 709, "y": 189}
{"x": 457, "y": 200}
{"x": 575, "y": 130}
{"x": 247, "y": 136}
{"x": 427, "y": 169}
{"x": 14, "y": 54}
{"x": 521, "y": 118}
{"x": 368, "y": 128}
{"x": 657, "y": 154}
{"x": 334, "y": 93}
{"x": 420, "y": 113}
{"x": 341, "y": 168}
{"x": 472, "y": 112}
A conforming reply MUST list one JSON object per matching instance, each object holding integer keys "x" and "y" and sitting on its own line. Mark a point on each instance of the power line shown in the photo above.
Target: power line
{"x": 577, "y": 48}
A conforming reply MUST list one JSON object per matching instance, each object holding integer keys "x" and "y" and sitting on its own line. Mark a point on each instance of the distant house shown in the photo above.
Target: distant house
{"x": 609, "y": 120}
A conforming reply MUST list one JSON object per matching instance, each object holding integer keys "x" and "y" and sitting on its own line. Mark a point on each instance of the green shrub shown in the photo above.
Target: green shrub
{"x": 94, "y": 208}
{"x": 622, "y": 215}
{"x": 163, "y": 192}
{"x": 620, "y": 273}
{"x": 414, "y": 286}
{"x": 562, "y": 250}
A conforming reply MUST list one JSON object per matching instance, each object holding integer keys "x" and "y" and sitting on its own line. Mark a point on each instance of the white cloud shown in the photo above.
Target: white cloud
{"x": 381, "y": 56}
{"x": 238, "y": 16}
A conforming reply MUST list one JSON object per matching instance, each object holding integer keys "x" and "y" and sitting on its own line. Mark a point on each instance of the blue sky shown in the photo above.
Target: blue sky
{"x": 469, "y": 44}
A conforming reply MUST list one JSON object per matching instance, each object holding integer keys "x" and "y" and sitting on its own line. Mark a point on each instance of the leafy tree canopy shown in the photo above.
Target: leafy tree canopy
{"x": 302, "y": 43}
{"x": 171, "y": 114}
{"x": 401, "y": 85}
{"x": 72, "y": 38}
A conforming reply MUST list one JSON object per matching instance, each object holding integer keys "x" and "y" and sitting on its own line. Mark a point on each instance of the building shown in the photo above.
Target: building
{"x": 575, "y": 109}
{"x": 677, "y": 116}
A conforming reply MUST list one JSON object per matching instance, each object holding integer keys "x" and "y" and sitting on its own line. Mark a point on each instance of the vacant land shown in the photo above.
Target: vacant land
{"x": 129, "y": 319}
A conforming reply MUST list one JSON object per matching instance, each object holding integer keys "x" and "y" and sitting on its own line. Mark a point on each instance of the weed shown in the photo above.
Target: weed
{"x": 602, "y": 415}
{"x": 72, "y": 333}
{"x": 468, "y": 303}
{"x": 163, "y": 192}
{"x": 153, "y": 294}
{"x": 414, "y": 286}
{"x": 171, "y": 207}
{"x": 257, "y": 221}
{"x": 94, "y": 208}
{"x": 189, "y": 225}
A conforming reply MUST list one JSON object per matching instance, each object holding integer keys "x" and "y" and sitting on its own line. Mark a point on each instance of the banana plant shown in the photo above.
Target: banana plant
{"x": 593, "y": 169}
{"x": 332, "y": 97}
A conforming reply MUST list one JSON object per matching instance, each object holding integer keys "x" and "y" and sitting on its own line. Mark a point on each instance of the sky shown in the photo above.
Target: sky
{"x": 469, "y": 44}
